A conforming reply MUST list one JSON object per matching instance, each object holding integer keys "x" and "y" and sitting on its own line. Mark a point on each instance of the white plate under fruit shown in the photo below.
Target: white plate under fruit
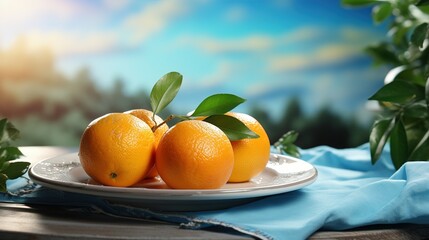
{"x": 282, "y": 174}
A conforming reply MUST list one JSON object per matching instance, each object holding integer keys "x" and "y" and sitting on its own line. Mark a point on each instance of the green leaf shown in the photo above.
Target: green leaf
{"x": 287, "y": 138}
{"x": 9, "y": 169}
{"x": 164, "y": 91}
{"x": 12, "y": 131}
{"x": 381, "y": 12}
{"x": 399, "y": 36}
{"x": 16, "y": 169}
{"x": 418, "y": 13}
{"x": 3, "y": 122}
{"x": 424, "y": 8}
{"x": 4, "y": 165}
{"x": 3, "y": 186}
{"x": 285, "y": 144}
{"x": 355, "y": 3}
{"x": 8, "y": 132}
{"x": 378, "y": 137}
{"x": 217, "y": 104}
{"x": 427, "y": 93}
{"x": 419, "y": 35}
{"x": 398, "y": 145}
{"x": 397, "y": 92}
{"x": 291, "y": 150}
{"x": 232, "y": 127}
{"x": 383, "y": 54}
{"x": 416, "y": 110}
{"x": 423, "y": 3}
{"x": 394, "y": 73}
{"x": 421, "y": 151}
{"x": 3, "y": 132}
{"x": 10, "y": 153}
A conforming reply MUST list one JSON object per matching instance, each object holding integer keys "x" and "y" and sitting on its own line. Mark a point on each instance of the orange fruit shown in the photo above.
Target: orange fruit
{"x": 194, "y": 155}
{"x": 117, "y": 149}
{"x": 251, "y": 154}
{"x": 146, "y": 116}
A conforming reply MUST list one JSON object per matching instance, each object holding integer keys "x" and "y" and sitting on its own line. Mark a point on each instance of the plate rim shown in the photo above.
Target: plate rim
{"x": 167, "y": 194}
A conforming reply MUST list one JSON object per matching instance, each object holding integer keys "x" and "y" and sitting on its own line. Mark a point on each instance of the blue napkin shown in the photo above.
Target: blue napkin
{"x": 349, "y": 192}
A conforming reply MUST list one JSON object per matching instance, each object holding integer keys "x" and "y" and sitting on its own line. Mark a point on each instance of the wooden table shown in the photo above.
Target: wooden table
{"x": 19, "y": 221}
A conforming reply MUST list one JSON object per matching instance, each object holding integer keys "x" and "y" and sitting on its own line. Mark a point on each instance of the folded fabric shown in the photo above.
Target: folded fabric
{"x": 349, "y": 192}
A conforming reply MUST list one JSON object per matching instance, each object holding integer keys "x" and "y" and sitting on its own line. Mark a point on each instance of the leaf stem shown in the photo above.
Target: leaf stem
{"x": 169, "y": 118}
{"x": 154, "y": 121}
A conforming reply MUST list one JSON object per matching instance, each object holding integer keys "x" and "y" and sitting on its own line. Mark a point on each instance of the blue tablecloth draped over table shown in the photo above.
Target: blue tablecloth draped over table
{"x": 349, "y": 192}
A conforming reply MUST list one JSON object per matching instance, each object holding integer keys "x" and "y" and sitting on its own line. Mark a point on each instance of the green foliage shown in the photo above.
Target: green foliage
{"x": 379, "y": 134}
{"x": 381, "y": 12}
{"x": 404, "y": 121}
{"x": 9, "y": 169}
{"x": 217, "y": 104}
{"x": 232, "y": 127}
{"x": 213, "y": 107}
{"x": 164, "y": 91}
{"x": 399, "y": 92}
{"x": 286, "y": 144}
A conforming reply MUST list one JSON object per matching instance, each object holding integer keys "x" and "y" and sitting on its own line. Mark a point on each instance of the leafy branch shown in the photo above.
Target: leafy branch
{"x": 286, "y": 144}
{"x": 9, "y": 168}
{"x": 212, "y": 109}
{"x": 404, "y": 99}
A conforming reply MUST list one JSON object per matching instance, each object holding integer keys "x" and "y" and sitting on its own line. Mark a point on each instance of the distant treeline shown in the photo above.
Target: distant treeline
{"x": 325, "y": 127}
{"x": 52, "y": 109}
{"x": 57, "y": 112}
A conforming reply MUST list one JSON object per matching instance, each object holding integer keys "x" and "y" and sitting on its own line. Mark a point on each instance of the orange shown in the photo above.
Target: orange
{"x": 194, "y": 155}
{"x": 146, "y": 116}
{"x": 251, "y": 154}
{"x": 117, "y": 149}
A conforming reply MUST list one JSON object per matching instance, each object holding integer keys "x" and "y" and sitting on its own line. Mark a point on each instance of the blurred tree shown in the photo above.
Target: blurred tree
{"x": 325, "y": 128}
{"x": 49, "y": 108}
{"x": 292, "y": 118}
{"x": 359, "y": 134}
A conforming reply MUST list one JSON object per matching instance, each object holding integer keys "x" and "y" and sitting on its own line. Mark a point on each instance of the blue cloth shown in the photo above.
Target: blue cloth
{"x": 349, "y": 192}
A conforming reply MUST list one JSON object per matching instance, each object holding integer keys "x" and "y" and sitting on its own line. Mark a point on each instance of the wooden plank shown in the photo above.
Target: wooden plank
{"x": 379, "y": 232}
{"x": 53, "y": 223}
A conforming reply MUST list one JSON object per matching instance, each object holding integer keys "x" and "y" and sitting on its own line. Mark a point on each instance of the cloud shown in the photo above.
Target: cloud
{"x": 324, "y": 47}
{"x": 360, "y": 36}
{"x": 21, "y": 12}
{"x": 116, "y": 4}
{"x": 303, "y": 34}
{"x": 66, "y": 43}
{"x": 292, "y": 85}
{"x": 152, "y": 18}
{"x": 255, "y": 43}
{"x": 222, "y": 74}
{"x": 323, "y": 56}
{"x": 47, "y": 24}
{"x": 36, "y": 24}
{"x": 236, "y": 14}
{"x": 346, "y": 44}
{"x": 249, "y": 44}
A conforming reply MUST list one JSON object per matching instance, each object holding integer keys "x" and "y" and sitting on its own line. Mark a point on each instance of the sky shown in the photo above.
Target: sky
{"x": 264, "y": 51}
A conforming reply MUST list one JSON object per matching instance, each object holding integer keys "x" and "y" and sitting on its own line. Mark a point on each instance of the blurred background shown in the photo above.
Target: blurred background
{"x": 299, "y": 64}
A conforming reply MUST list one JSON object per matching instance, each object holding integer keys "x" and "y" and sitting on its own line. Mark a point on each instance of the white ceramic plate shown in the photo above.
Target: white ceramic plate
{"x": 282, "y": 174}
